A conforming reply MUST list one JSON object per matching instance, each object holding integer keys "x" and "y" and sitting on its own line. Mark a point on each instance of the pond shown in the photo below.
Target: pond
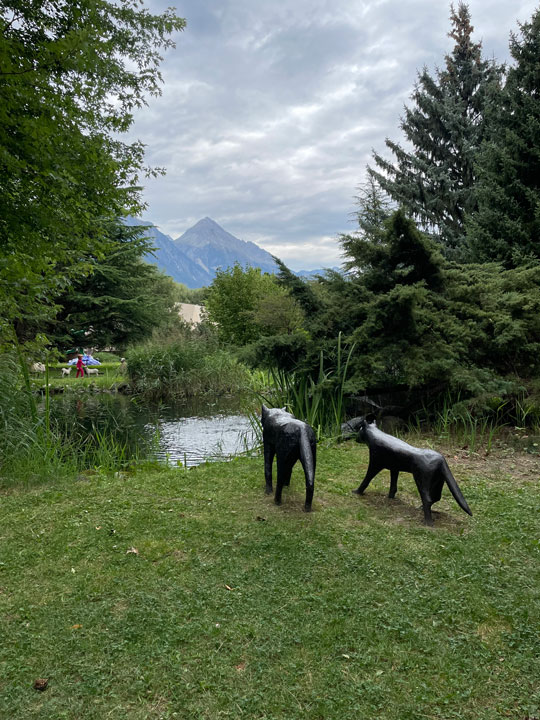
{"x": 210, "y": 435}
{"x": 189, "y": 434}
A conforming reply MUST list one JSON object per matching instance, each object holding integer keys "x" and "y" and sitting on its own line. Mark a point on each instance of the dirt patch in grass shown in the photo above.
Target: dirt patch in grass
{"x": 501, "y": 463}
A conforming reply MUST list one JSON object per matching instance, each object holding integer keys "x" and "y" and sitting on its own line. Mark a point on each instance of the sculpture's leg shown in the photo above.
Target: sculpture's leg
{"x": 426, "y": 504}
{"x": 269, "y": 452}
{"x": 393, "y": 483}
{"x": 309, "y": 463}
{"x": 423, "y": 483}
{"x": 370, "y": 474}
{"x": 284, "y": 470}
{"x": 309, "y": 496}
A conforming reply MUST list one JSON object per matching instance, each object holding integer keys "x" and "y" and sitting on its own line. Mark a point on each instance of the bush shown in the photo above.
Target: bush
{"x": 184, "y": 368}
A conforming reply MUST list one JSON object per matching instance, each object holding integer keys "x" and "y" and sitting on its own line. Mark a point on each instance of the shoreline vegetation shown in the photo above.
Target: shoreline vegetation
{"x": 157, "y": 592}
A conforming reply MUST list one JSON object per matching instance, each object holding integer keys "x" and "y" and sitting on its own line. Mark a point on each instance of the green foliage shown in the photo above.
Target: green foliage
{"x": 435, "y": 180}
{"x": 318, "y": 401}
{"x": 185, "y": 367}
{"x": 426, "y": 324}
{"x": 36, "y": 445}
{"x": 246, "y": 303}
{"x": 280, "y": 352}
{"x": 71, "y": 75}
{"x": 195, "y": 296}
{"x": 371, "y": 215}
{"x": 278, "y": 313}
{"x": 299, "y": 289}
{"x": 506, "y": 226}
{"x": 121, "y": 301}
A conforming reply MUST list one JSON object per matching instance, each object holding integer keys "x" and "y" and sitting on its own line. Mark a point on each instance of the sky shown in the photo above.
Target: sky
{"x": 271, "y": 110}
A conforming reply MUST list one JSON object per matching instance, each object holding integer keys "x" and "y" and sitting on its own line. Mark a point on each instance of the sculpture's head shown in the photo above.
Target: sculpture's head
{"x": 267, "y": 413}
{"x": 362, "y": 426}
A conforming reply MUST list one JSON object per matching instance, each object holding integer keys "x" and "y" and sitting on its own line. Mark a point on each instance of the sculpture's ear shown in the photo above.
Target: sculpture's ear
{"x": 284, "y": 408}
{"x": 370, "y": 418}
{"x": 264, "y": 410}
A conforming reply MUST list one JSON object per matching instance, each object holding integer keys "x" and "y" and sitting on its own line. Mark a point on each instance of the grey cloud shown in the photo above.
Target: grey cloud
{"x": 270, "y": 110}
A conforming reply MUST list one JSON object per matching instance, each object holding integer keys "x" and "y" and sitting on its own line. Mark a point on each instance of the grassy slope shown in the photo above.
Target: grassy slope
{"x": 236, "y": 608}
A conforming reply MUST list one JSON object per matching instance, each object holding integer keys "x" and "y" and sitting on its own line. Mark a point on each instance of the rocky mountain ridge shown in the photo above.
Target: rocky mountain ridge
{"x": 193, "y": 258}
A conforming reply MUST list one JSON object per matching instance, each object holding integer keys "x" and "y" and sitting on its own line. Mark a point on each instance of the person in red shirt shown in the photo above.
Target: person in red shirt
{"x": 80, "y": 366}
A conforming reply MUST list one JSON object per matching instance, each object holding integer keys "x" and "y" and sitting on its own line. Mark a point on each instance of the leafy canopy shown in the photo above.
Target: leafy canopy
{"x": 246, "y": 304}
{"x": 121, "y": 302}
{"x": 71, "y": 75}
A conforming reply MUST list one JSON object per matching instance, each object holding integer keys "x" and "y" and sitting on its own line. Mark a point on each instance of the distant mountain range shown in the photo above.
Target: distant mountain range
{"x": 194, "y": 257}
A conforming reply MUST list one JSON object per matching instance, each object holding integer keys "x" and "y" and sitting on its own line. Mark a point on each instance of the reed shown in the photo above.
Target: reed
{"x": 454, "y": 420}
{"x": 184, "y": 369}
{"x": 36, "y": 444}
{"x": 320, "y": 402}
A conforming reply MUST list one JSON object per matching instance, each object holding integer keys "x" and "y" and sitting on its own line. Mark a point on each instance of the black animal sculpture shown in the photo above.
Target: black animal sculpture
{"x": 428, "y": 467}
{"x": 289, "y": 440}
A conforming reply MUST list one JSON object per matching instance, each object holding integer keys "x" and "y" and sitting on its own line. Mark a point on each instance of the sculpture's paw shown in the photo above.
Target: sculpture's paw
{"x": 428, "y": 523}
{"x": 268, "y": 491}
{"x": 307, "y": 508}
{"x": 277, "y": 502}
{"x": 358, "y": 492}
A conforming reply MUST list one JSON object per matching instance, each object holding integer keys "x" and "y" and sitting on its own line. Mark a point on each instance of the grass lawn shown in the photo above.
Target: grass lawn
{"x": 166, "y": 593}
{"x": 110, "y": 375}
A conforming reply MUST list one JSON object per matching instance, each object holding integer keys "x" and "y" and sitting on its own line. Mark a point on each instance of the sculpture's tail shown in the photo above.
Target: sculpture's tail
{"x": 308, "y": 455}
{"x": 454, "y": 489}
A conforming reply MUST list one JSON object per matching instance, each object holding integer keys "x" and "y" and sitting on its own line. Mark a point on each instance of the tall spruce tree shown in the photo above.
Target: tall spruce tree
{"x": 506, "y": 226}
{"x": 374, "y": 208}
{"x": 434, "y": 181}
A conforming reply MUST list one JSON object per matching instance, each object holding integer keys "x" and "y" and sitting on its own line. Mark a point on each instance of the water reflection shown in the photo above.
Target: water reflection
{"x": 187, "y": 434}
{"x": 193, "y": 440}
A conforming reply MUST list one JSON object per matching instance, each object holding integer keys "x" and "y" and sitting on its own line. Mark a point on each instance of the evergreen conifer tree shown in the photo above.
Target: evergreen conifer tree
{"x": 506, "y": 226}
{"x": 374, "y": 208}
{"x": 435, "y": 180}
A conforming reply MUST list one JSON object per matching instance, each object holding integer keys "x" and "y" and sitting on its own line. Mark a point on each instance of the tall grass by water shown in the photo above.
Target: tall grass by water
{"x": 38, "y": 443}
{"x": 476, "y": 423}
{"x": 183, "y": 369}
{"x": 320, "y": 402}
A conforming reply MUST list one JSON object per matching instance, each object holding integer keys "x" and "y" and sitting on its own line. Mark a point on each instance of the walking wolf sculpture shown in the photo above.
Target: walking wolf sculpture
{"x": 289, "y": 440}
{"x": 428, "y": 467}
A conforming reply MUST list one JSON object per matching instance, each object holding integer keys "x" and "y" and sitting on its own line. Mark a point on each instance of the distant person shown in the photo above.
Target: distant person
{"x": 80, "y": 366}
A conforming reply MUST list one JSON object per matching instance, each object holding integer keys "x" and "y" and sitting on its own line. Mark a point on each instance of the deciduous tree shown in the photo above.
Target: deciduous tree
{"x": 71, "y": 75}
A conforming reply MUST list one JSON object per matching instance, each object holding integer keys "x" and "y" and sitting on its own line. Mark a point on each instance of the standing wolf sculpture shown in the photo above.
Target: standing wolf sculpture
{"x": 289, "y": 440}
{"x": 428, "y": 467}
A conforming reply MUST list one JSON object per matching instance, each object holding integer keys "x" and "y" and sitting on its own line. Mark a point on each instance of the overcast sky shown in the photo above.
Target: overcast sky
{"x": 271, "y": 109}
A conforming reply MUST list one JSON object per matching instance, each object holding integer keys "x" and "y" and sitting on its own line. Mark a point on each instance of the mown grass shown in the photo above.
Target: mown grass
{"x": 111, "y": 374}
{"x": 166, "y": 593}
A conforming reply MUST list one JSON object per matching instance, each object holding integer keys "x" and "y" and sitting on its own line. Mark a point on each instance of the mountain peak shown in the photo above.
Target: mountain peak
{"x": 212, "y": 247}
{"x": 194, "y": 257}
{"x": 207, "y": 221}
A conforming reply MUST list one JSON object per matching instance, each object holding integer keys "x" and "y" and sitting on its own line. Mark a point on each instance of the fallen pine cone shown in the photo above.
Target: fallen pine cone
{"x": 41, "y": 684}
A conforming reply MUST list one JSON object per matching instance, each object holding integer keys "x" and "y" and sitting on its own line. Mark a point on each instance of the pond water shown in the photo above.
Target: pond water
{"x": 188, "y": 434}
{"x": 196, "y": 439}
